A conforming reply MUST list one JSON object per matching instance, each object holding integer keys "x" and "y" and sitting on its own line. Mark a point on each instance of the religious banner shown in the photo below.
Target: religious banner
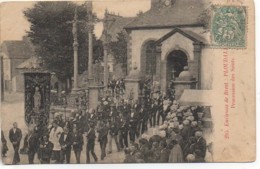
{"x": 37, "y": 98}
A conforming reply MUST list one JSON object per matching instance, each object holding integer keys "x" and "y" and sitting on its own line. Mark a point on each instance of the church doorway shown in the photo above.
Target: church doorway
{"x": 176, "y": 61}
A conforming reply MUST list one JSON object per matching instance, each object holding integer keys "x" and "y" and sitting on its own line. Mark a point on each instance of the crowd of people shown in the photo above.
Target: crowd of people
{"x": 179, "y": 136}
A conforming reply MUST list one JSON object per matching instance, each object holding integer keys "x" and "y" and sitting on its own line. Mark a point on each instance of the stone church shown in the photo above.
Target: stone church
{"x": 169, "y": 42}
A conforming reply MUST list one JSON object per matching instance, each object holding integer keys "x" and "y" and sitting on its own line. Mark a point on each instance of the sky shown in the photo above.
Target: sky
{"x": 14, "y": 25}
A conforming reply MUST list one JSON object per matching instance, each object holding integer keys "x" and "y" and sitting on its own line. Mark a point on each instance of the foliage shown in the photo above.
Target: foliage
{"x": 119, "y": 49}
{"x": 51, "y": 35}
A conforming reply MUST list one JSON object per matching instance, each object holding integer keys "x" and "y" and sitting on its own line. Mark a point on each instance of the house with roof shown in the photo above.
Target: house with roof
{"x": 168, "y": 39}
{"x": 14, "y": 53}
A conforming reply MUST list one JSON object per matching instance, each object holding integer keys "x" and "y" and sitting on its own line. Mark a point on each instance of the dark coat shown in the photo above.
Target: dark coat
{"x": 15, "y": 137}
{"x": 133, "y": 119}
{"x": 77, "y": 141}
{"x": 113, "y": 130}
{"x": 125, "y": 109}
{"x": 45, "y": 150}
{"x": 164, "y": 156}
{"x": 81, "y": 123}
{"x": 32, "y": 142}
{"x": 153, "y": 109}
{"x": 91, "y": 136}
{"x": 201, "y": 144}
{"x": 123, "y": 125}
{"x": 103, "y": 132}
{"x": 186, "y": 133}
{"x": 67, "y": 142}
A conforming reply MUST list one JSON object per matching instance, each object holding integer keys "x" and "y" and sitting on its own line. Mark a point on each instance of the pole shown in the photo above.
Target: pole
{"x": 75, "y": 48}
{"x": 90, "y": 42}
{"x": 105, "y": 51}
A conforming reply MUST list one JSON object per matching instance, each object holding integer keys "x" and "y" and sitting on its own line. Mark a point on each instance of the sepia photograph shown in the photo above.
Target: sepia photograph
{"x": 127, "y": 81}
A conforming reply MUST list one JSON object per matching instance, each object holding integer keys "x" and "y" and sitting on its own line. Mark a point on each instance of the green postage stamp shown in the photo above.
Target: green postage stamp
{"x": 228, "y": 26}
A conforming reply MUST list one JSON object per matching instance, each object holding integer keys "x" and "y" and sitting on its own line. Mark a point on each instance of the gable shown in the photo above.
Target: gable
{"x": 188, "y": 34}
{"x": 177, "y": 42}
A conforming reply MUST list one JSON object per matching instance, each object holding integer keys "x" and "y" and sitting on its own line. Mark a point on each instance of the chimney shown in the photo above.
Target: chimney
{"x": 155, "y": 4}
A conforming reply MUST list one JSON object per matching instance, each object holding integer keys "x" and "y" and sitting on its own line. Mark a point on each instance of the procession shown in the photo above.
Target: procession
{"x": 178, "y": 138}
{"x": 129, "y": 96}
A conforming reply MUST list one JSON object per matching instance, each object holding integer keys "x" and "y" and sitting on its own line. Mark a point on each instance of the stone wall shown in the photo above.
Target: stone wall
{"x": 137, "y": 39}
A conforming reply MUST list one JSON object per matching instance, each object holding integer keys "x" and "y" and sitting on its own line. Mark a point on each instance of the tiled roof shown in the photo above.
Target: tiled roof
{"x": 17, "y": 49}
{"x": 181, "y": 13}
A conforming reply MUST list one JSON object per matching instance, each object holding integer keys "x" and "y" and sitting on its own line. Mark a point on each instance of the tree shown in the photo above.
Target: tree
{"x": 52, "y": 36}
{"x": 119, "y": 50}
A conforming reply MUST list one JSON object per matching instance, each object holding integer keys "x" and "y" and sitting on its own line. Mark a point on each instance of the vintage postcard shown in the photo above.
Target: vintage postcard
{"x": 127, "y": 81}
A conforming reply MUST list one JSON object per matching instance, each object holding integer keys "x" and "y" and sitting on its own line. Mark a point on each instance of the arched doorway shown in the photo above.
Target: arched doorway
{"x": 176, "y": 61}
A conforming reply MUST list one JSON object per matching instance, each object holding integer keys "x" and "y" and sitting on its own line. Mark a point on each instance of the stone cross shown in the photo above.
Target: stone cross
{"x": 74, "y": 23}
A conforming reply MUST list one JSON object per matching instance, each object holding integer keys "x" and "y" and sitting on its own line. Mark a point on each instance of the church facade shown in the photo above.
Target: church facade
{"x": 168, "y": 38}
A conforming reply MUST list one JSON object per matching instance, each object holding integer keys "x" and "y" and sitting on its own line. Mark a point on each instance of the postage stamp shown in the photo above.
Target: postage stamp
{"x": 228, "y": 26}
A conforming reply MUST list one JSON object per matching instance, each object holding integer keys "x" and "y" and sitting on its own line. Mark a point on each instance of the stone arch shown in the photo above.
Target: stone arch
{"x": 178, "y": 48}
{"x": 176, "y": 60}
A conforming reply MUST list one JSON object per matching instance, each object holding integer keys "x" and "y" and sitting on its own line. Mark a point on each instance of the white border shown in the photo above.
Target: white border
{"x": 255, "y": 165}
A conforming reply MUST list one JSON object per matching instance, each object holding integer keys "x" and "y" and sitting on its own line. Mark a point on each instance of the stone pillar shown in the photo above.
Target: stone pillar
{"x": 93, "y": 88}
{"x": 196, "y": 67}
{"x": 163, "y": 76}
{"x": 93, "y": 93}
{"x": 75, "y": 75}
{"x": 90, "y": 53}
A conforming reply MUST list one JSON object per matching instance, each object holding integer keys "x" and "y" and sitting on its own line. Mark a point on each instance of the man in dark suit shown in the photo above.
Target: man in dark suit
{"x": 77, "y": 143}
{"x": 125, "y": 109}
{"x": 102, "y": 138}
{"x": 113, "y": 135}
{"x": 32, "y": 142}
{"x": 152, "y": 113}
{"x": 143, "y": 118}
{"x": 133, "y": 119}
{"x": 123, "y": 131}
{"x": 45, "y": 150}
{"x": 92, "y": 117}
{"x": 201, "y": 144}
{"x": 91, "y": 136}
{"x": 15, "y": 136}
{"x": 66, "y": 140}
{"x": 81, "y": 122}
